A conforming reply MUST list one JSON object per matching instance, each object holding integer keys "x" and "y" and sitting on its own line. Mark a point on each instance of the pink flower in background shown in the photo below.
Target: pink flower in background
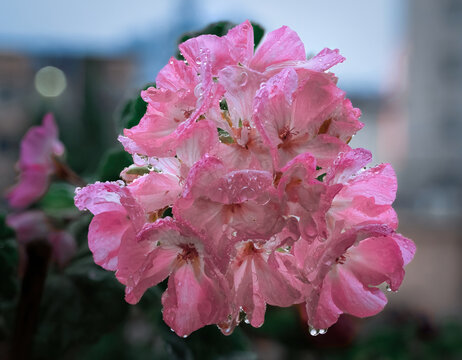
{"x": 244, "y": 191}
{"x": 34, "y": 225}
{"x": 38, "y": 147}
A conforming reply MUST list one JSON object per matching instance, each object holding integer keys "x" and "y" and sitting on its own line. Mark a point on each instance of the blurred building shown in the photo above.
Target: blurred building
{"x": 422, "y": 127}
{"x": 96, "y": 84}
{"x": 433, "y": 175}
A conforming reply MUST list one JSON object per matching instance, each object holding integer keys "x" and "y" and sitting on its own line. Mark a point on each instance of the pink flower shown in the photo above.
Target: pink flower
{"x": 117, "y": 217}
{"x": 350, "y": 266}
{"x": 258, "y": 277}
{"x": 197, "y": 293}
{"x": 366, "y": 195}
{"x": 305, "y": 196}
{"x": 228, "y": 206}
{"x": 38, "y": 147}
{"x": 32, "y": 226}
{"x": 181, "y": 98}
{"x": 248, "y": 153}
{"x": 298, "y": 112}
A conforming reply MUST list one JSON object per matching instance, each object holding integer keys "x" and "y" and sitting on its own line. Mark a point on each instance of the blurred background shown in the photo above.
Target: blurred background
{"x": 83, "y": 60}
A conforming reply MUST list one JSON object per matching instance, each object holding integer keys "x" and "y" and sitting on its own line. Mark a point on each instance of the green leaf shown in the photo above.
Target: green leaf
{"x": 113, "y": 162}
{"x": 138, "y": 170}
{"x": 225, "y": 137}
{"x": 59, "y": 200}
{"x": 133, "y": 110}
{"x": 258, "y": 32}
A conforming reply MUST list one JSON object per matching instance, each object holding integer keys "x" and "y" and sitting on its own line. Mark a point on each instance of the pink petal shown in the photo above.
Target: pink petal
{"x": 315, "y": 101}
{"x": 101, "y": 197}
{"x": 176, "y": 75}
{"x": 276, "y": 290}
{"x": 353, "y": 297}
{"x": 155, "y": 191}
{"x": 235, "y": 47}
{"x": 156, "y": 253}
{"x": 38, "y": 147}
{"x": 241, "y": 44}
{"x": 323, "y": 147}
{"x": 323, "y": 61}
{"x": 32, "y": 185}
{"x": 247, "y": 294}
{"x": 273, "y": 105}
{"x": 192, "y": 301}
{"x": 40, "y": 143}
{"x": 28, "y": 225}
{"x": 376, "y": 260}
{"x": 242, "y": 185}
{"x": 348, "y": 164}
{"x": 196, "y": 141}
{"x": 104, "y": 236}
{"x": 378, "y": 183}
{"x": 278, "y": 46}
{"x": 140, "y": 269}
{"x": 153, "y": 136}
{"x": 205, "y": 173}
{"x": 406, "y": 246}
{"x": 240, "y": 84}
{"x": 322, "y": 311}
{"x": 345, "y": 122}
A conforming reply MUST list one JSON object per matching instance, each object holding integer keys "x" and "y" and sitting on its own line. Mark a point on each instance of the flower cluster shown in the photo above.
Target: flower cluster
{"x": 244, "y": 191}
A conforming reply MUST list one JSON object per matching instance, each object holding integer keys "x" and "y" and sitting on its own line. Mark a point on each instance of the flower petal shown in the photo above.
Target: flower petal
{"x": 278, "y": 46}
{"x": 353, "y": 297}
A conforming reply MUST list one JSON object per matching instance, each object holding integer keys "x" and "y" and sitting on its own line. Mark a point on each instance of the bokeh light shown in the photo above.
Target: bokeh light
{"x": 50, "y": 81}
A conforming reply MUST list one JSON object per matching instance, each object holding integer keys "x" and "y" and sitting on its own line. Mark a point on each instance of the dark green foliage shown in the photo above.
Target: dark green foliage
{"x": 258, "y": 32}
{"x": 9, "y": 259}
{"x": 59, "y": 201}
{"x": 410, "y": 336}
{"x": 9, "y": 285}
{"x": 113, "y": 162}
{"x": 78, "y": 307}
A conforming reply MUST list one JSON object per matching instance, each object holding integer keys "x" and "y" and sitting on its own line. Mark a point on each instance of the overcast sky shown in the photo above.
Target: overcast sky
{"x": 369, "y": 33}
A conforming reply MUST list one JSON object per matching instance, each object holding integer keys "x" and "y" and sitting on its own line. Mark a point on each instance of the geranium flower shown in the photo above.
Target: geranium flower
{"x": 244, "y": 191}
{"x": 36, "y": 163}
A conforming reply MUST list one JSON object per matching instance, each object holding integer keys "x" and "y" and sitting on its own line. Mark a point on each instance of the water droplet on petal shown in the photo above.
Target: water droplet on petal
{"x": 388, "y": 288}
{"x": 185, "y": 336}
{"x": 77, "y": 190}
{"x": 313, "y": 331}
{"x": 322, "y": 331}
